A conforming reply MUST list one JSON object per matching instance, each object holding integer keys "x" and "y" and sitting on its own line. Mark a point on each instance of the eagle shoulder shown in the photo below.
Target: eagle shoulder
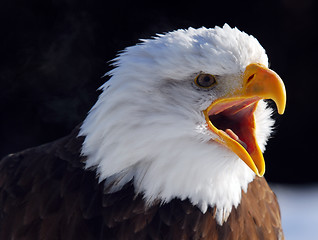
{"x": 46, "y": 194}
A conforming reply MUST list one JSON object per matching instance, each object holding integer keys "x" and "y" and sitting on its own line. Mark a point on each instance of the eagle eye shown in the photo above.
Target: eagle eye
{"x": 205, "y": 80}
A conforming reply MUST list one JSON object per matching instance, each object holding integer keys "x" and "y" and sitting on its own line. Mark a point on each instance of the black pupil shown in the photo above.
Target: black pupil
{"x": 205, "y": 80}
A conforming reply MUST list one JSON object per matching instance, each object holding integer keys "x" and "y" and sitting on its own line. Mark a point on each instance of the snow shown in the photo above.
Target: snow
{"x": 299, "y": 209}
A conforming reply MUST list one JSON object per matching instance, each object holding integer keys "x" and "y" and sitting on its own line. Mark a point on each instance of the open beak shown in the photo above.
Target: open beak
{"x": 232, "y": 117}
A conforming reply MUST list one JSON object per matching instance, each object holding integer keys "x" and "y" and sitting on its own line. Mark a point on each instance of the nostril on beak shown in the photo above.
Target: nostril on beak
{"x": 250, "y": 78}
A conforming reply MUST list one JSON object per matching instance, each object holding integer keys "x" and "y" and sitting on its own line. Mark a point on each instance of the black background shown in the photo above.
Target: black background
{"x": 53, "y": 54}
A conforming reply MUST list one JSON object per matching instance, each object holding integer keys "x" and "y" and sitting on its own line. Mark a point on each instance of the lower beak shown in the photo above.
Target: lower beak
{"x": 232, "y": 117}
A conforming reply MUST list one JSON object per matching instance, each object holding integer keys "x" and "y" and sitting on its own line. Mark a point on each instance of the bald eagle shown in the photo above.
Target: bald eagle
{"x": 172, "y": 149}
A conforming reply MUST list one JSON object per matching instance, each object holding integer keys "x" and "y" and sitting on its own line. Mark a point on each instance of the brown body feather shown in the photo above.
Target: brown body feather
{"x": 45, "y": 194}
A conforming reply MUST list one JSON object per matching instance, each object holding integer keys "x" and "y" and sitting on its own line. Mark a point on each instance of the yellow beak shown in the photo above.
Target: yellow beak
{"x": 232, "y": 117}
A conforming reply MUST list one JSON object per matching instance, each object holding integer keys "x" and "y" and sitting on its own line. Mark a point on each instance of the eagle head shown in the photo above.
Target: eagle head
{"x": 183, "y": 116}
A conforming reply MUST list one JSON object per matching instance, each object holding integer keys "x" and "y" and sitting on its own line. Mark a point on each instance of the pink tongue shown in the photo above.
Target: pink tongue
{"x": 235, "y": 137}
{"x": 232, "y": 134}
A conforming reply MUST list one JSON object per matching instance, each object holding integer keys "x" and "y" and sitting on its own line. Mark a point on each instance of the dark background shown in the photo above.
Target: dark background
{"x": 53, "y": 54}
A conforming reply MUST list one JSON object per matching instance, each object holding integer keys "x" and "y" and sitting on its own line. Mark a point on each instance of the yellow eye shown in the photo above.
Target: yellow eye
{"x": 205, "y": 80}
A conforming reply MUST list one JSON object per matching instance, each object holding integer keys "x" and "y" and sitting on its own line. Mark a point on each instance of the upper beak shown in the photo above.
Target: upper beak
{"x": 264, "y": 83}
{"x": 232, "y": 117}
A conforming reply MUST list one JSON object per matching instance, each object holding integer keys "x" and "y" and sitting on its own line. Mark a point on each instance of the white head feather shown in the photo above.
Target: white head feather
{"x": 147, "y": 125}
